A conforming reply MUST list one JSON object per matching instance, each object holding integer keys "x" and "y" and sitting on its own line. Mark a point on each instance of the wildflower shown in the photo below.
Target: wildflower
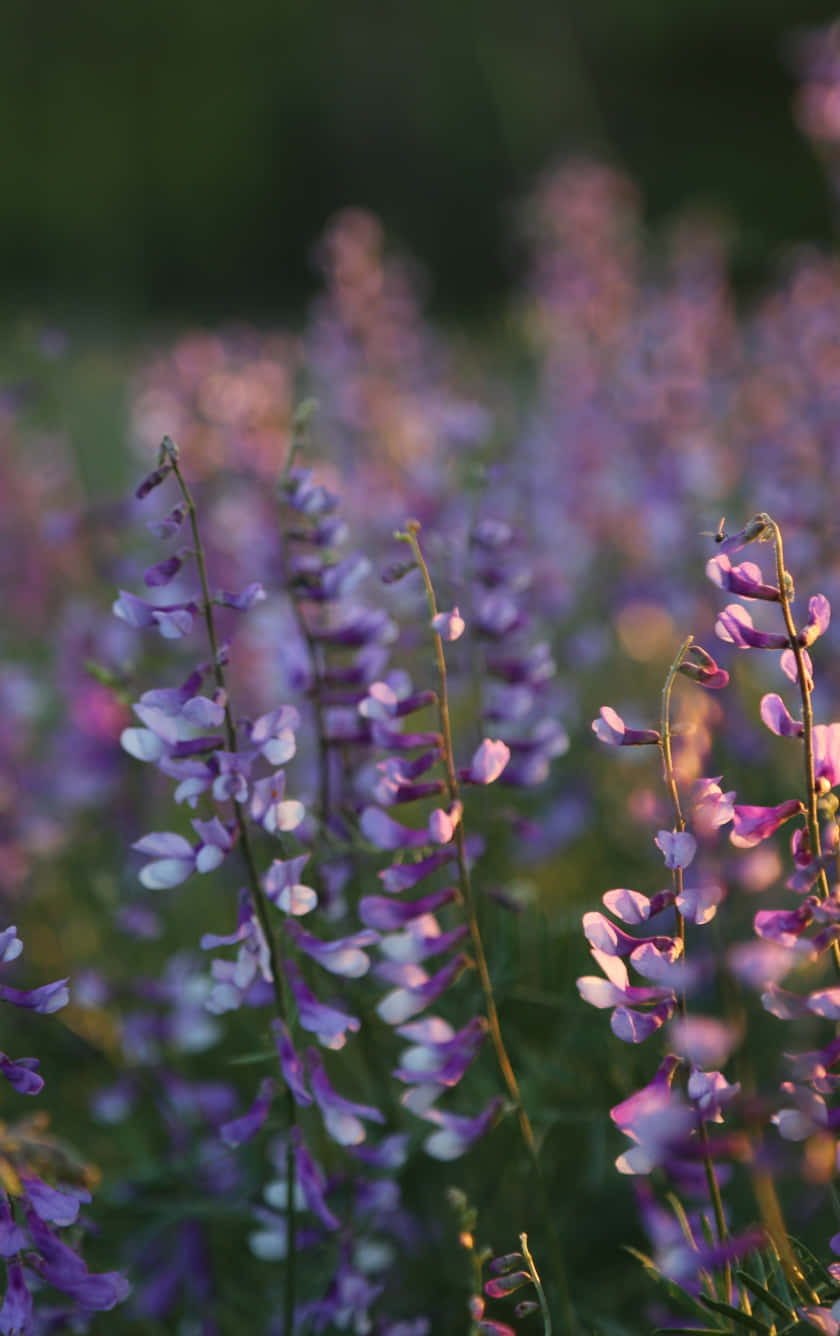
{"x": 751, "y": 825}
{"x": 744, "y": 580}
{"x": 611, "y": 728}
{"x": 449, "y": 625}
{"x": 775, "y": 715}
{"x": 456, "y": 1132}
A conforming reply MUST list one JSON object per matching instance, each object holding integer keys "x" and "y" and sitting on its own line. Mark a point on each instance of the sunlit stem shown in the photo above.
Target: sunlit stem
{"x": 258, "y": 900}
{"x": 805, "y": 687}
{"x": 470, "y": 910}
{"x": 670, "y": 776}
{"x": 535, "y": 1276}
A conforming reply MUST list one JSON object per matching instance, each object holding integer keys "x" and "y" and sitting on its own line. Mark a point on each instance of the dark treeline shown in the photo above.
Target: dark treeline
{"x": 174, "y": 158}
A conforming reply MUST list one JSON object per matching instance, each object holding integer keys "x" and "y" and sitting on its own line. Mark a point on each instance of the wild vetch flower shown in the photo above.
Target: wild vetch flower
{"x": 449, "y": 625}
{"x": 611, "y": 728}
{"x": 735, "y": 626}
{"x": 29, "y": 1205}
{"x": 751, "y": 825}
{"x": 678, "y": 847}
{"x": 341, "y": 1116}
{"x": 457, "y": 1133}
{"x": 774, "y": 714}
{"x": 744, "y": 580}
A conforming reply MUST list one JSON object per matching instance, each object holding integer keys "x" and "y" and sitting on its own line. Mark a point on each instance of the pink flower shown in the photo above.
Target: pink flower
{"x": 610, "y": 728}
{"x": 751, "y": 825}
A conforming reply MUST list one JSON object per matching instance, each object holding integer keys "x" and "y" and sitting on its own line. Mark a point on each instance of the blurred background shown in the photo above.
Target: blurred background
{"x": 168, "y": 161}
{"x": 555, "y": 351}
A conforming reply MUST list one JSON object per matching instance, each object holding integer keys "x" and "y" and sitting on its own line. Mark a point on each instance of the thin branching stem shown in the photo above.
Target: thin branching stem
{"x": 257, "y": 895}
{"x": 805, "y": 688}
{"x": 670, "y": 776}
{"x": 535, "y": 1276}
{"x": 471, "y": 913}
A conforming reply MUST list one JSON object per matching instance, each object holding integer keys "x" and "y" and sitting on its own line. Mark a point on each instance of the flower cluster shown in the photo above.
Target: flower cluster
{"x": 32, "y": 1209}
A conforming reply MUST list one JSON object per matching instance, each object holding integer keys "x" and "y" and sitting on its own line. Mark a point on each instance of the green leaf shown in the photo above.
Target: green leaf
{"x": 743, "y": 1320}
{"x": 770, "y": 1300}
{"x": 248, "y": 1059}
{"x": 814, "y": 1265}
{"x": 679, "y": 1295}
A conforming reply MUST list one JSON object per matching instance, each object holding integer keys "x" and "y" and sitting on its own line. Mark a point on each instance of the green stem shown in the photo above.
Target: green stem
{"x": 805, "y": 687}
{"x": 258, "y": 899}
{"x": 670, "y": 776}
{"x": 471, "y": 913}
{"x": 535, "y": 1276}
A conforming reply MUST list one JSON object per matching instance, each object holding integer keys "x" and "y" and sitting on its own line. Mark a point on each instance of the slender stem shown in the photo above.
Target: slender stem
{"x": 257, "y": 896}
{"x": 471, "y": 912}
{"x": 463, "y": 868}
{"x": 805, "y": 687}
{"x": 670, "y": 776}
{"x": 315, "y": 696}
{"x": 535, "y": 1276}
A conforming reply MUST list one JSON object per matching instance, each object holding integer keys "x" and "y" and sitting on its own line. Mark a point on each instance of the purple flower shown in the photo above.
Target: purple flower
{"x": 611, "y": 728}
{"x": 703, "y": 1041}
{"x": 443, "y": 1062}
{"x": 775, "y": 715}
{"x": 489, "y": 761}
{"x": 376, "y": 911}
{"x": 678, "y": 847}
{"x": 61, "y": 1267}
{"x": 735, "y": 626}
{"x": 273, "y": 734}
{"x": 751, "y": 825}
{"x": 270, "y": 808}
{"x": 173, "y": 859}
{"x": 744, "y": 580}
{"x": 329, "y": 1023}
{"x": 402, "y": 876}
{"x": 449, "y": 625}
{"x": 604, "y": 936}
{"x": 788, "y": 665}
{"x": 283, "y": 887}
{"x": 173, "y": 620}
{"x": 657, "y": 1119}
{"x": 247, "y": 599}
{"x": 819, "y": 616}
{"x": 343, "y": 956}
{"x": 443, "y": 823}
{"x": 290, "y": 1063}
{"x": 711, "y": 807}
{"x": 707, "y": 673}
{"x": 163, "y": 572}
{"x": 309, "y": 1178}
{"x": 457, "y": 1133}
{"x": 234, "y": 769}
{"x": 419, "y": 990}
{"x": 216, "y": 840}
{"x": 17, "y": 1311}
{"x": 242, "y": 1129}
{"x": 341, "y": 1116}
{"x": 827, "y": 756}
{"x": 386, "y": 833}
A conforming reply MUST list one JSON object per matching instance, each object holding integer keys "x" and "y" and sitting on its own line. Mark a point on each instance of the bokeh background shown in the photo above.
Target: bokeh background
{"x": 168, "y": 170}
{"x": 178, "y": 160}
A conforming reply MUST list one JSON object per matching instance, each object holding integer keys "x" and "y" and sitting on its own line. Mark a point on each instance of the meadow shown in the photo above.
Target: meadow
{"x": 368, "y": 689}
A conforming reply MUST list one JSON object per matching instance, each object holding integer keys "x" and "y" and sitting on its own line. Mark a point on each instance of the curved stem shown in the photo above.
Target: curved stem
{"x": 535, "y": 1276}
{"x": 670, "y": 776}
{"x": 805, "y": 687}
{"x": 257, "y": 896}
{"x": 471, "y": 912}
